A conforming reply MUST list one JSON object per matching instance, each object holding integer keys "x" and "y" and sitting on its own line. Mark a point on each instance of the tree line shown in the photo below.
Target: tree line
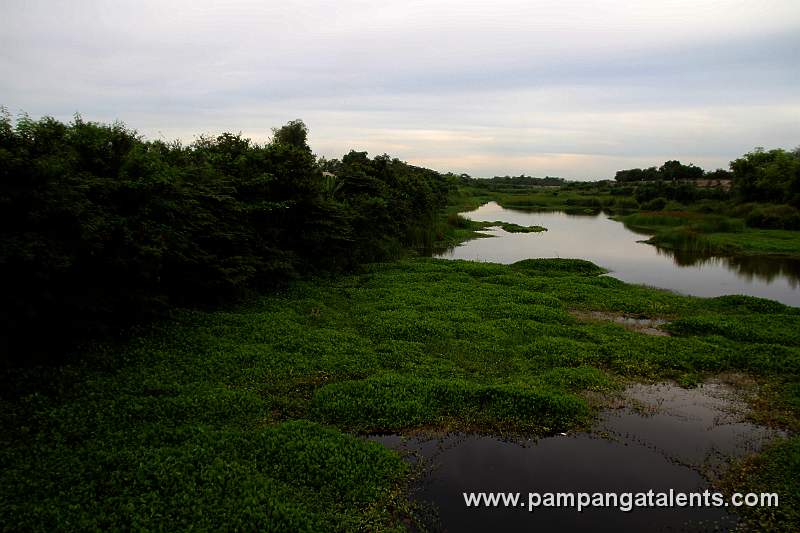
{"x": 100, "y": 228}
{"x": 768, "y": 176}
{"x": 521, "y": 181}
{"x": 669, "y": 171}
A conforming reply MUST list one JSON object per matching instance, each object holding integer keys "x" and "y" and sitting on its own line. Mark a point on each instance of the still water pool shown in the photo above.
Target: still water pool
{"x": 675, "y": 440}
{"x": 611, "y": 245}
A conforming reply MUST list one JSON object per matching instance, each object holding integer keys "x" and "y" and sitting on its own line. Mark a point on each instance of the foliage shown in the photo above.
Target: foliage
{"x": 571, "y": 197}
{"x": 768, "y": 176}
{"x": 510, "y": 184}
{"x": 656, "y": 204}
{"x": 703, "y": 233}
{"x": 516, "y": 228}
{"x": 679, "y": 191}
{"x": 775, "y": 470}
{"x": 100, "y": 228}
{"x": 213, "y": 419}
{"x": 772, "y": 216}
{"x": 669, "y": 171}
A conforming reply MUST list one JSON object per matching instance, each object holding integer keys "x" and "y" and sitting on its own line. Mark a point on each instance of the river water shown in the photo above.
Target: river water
{"x": 611, "y": 245}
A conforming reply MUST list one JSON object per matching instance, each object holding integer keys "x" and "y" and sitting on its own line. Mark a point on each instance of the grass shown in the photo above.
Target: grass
{"x": 713, "y": 234}
{"x": 775, "y": 470}
{"x": 545, "y": 199}
{"x": 703, "y": 229}
{"x": 516, "y": 228}
{"x": 249, "y": 418}
{"x": 455, "y": 229}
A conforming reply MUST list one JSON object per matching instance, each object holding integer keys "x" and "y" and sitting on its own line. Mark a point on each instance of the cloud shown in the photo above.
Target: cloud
{"x": 577, "y": 88}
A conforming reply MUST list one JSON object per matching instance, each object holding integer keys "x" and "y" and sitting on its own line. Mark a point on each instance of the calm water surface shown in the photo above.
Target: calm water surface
{"x": 677, "y": 440}
{"x": 611, "y": 245}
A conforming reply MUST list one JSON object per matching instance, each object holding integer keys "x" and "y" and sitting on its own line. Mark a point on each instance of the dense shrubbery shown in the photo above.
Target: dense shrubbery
{"x": 684, "y": 192}
{"x": 584, "y": 202}
{"x": 626, "y": 203}
{"x": 100, "y": 228}
{"x": 656, "y": 204}
{"x": 769, "y": 216}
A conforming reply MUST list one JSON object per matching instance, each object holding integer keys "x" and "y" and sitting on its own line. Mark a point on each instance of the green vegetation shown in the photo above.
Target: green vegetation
{"x": 718, "y": 212}
{"x": 100, "y": 229}
{"x": 669, "y": 171}
{"x": 775, "y": 470}
{"x": 456, "y": 229}
{"x": 246, "y": 417}
{"x": 516, "y": 184}
{"x": 572, "y": 198}
{"x": 771, "y": 176}
{"x": 252, "y": 417}
{"x": 712, "y": 234}
{"x": 516, "y": 228}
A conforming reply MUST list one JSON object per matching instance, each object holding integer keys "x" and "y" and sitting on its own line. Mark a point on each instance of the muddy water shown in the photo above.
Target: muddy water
{"x": 611, "y": 245}
{"x": 666, "y": 438}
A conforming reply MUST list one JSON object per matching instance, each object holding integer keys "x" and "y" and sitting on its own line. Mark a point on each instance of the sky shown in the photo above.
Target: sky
{"x": 570, "y": 88}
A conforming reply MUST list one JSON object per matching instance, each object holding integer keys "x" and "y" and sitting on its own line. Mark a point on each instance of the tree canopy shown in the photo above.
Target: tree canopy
{"x": 100, "y": 228}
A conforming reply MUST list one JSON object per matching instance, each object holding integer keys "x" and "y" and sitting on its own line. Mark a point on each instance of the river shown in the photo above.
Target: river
{"x": 609, "y": 244}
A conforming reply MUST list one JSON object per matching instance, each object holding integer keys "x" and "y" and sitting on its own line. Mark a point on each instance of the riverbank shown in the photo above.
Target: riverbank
{"x": 589, "y": 197}
{"x": 251, "y": 417}
{"x": 689, "y": 229}
{"x": 712, "y": 234}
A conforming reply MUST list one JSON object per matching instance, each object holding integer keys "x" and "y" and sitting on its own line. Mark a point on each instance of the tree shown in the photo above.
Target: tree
{"x": 767, "y": 176}
{"x": 294, "y": 133}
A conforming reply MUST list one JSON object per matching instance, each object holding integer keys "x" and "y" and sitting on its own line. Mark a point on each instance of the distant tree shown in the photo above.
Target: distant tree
{"x": 675, "y": 171}
{"x": 719, "y": 174}
{"x": 294, "y": 133}
{"x": 767, "y": 176}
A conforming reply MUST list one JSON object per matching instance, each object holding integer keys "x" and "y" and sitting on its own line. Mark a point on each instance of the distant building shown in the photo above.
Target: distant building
{"x": 725, "y": 185}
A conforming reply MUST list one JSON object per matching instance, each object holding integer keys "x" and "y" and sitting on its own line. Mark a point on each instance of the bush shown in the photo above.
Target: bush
{"x": 457, "y": 221}
{"x": 656, "y": 204}
{"x": 774, "y": 217}
{"x": 626, "y": 203}
{"x": 672, "y": 205}
{"x": 709, "y": 206}
{"x": 101, "y": 229}
{"x": 584, "y": 202}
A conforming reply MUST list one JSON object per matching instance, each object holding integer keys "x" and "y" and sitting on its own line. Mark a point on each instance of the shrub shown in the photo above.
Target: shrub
{"x": 626, "y": 203}
{"x": 457, "y": 221}
{"x": 656, "y": 204}
{"x": 774, "y": 217}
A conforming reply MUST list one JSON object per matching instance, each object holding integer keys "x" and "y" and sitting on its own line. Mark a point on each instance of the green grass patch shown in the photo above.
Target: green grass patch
{"x": 712, "y": 234}
{"x": 249, "y": 418}
{"x": 399, "y": 402}
{"x": 516, "y": 228}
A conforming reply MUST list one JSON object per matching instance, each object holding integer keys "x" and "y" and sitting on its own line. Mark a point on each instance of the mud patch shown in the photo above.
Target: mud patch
{"x": 647, "y": 326}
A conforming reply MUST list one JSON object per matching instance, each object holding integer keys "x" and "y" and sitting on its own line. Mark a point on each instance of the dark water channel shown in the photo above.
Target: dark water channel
{"x": 611, "y": 245}
{"x": 667, "y": 438}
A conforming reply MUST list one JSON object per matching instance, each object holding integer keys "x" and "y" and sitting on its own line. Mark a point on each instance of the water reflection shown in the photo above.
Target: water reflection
{"x": 610, "y": 244}
{"x": 677, "y": 439}
{"x": 749, "y": 267}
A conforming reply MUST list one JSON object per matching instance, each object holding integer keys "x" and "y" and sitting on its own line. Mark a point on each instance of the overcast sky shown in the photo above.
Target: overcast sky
{"x": 574, "y": 88}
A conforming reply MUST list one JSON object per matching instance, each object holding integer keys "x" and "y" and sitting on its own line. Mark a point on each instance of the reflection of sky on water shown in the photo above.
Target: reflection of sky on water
{"x": 661, "y": 446}
{"x": 613, "y": 246}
